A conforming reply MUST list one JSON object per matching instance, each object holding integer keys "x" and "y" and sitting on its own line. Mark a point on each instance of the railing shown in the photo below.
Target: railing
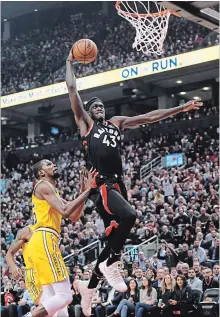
{"x": 82, "y": 249}
{"x": 148, "y": 247}
{"x": 146, "y": 170}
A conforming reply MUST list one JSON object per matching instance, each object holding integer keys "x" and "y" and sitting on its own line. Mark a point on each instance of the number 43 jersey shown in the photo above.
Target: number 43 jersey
{"x": 102, "y": 146}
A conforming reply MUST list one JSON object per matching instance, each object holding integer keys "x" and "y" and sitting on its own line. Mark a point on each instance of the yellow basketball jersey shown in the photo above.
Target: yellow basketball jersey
{"x": 45, "y": 215}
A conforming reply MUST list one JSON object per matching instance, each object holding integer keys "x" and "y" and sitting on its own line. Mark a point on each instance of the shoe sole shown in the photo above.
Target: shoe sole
{"x": 81, "y": 289}
{"x": 102, "y": 269}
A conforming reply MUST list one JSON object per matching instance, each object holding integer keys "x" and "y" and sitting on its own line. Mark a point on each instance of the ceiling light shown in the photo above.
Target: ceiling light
{"x": 196, "y": 98}
{"x": 179, "y": 81}
{"x": 35, "y": 10}
{"x": 4, "y": 118}
{"x": 206, "y": 88}
{"x": 182, "y": 93}
{"x": 5, "y": 20}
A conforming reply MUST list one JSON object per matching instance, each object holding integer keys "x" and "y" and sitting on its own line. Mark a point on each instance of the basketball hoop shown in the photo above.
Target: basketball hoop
{"x": 150, "y": 21}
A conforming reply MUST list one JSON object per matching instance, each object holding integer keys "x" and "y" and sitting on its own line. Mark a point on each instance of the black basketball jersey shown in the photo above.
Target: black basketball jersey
{"x": 102, "y": 146}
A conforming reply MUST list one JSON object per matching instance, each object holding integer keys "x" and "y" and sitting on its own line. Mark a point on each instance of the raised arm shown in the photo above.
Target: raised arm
{"x": 46, "y": 191}
{"x": 83, "y": 120}
{"x": 153, "y": 116}
{"x": 75, "y": 216}
{"x": 16, "y": 245}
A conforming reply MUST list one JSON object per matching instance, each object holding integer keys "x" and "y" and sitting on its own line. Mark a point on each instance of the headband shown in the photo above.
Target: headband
{"x": 91, "y": 101}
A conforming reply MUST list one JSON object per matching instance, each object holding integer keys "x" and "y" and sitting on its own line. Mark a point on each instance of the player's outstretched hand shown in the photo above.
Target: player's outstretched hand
{"x": 71, "y": 57}
{"x": 192, "y": 104}
{"x": 91, "y": 175}
{"x": 83, "y": 179}
{"x": 16, "y": 272}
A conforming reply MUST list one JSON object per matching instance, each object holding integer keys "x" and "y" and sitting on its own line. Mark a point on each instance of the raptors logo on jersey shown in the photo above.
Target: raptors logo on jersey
{"x": 102, "y": 146}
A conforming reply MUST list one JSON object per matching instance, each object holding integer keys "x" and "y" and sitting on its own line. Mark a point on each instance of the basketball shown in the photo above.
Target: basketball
{"x": 85, "y": 51}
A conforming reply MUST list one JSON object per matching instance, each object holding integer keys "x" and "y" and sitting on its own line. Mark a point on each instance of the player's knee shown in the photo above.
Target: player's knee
{"x": 132, "y": 214}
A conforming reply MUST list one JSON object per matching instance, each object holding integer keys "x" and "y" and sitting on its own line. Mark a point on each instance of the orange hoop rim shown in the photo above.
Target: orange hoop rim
{"x": 142, "y": 15}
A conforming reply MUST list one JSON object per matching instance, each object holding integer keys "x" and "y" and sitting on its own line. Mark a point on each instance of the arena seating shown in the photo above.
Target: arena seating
{"x": 30, "y": 60}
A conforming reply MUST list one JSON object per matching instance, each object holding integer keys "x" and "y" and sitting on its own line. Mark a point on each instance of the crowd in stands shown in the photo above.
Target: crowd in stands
{"x": 22, "y": 143}
{"x": 37, "y": 58}
{"x": 179, "y": 205}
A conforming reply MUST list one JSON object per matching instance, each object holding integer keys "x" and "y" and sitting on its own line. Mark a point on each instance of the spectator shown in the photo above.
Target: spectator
{"x": 216, "y": 272}
{"x": 156, "y": 264}
{"x": 208, "y": 281}
{"x": 139, "y": 276}
{"x": 188, "y": 237}
{"x": 171, "y": 257}
{"x": 25, "y": 304}
{"x": 103, "y": 294}
{"x": 213, "y": 252}
{"x": 166, "y": 234}
{"x": 199, "y": 252}
{"x": 204, "y": 216}
{"x": 148, "y": 297}
{"x": 180, "y": 299}
{"x": 159, "y": 279}
{"x": 167, "y": 287}
{"x": 184, "y": 253}
{"x": 141, "y": 260}
{"x": 185, "y": 270}
{"x": 193, "y": 281}
{"x": 117, "y": 297}
{"x": 211, "y": 237}
{"x": 130, "y": 299}
{"x": 189, "y": 259}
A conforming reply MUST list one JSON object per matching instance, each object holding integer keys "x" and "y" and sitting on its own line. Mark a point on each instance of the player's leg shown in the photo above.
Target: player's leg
{"x": 51, "y": 270}
{"x": 55, "y": 303}
{"x": 115, "y": 204}
{"x": 110, "y": 222}
{"x": 119, "y": 207}
{"x": 121, "y": 216}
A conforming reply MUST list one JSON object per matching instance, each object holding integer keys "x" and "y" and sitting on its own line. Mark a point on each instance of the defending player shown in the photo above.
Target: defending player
{"x": 22, "y": 241}
{"x": 101, "y": 140}
{"x": 31, "y": 280}
{"x": 46, "y": 256}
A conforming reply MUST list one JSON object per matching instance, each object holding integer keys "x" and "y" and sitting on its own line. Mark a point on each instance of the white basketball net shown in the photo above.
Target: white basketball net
{"x": 151, "y": 27}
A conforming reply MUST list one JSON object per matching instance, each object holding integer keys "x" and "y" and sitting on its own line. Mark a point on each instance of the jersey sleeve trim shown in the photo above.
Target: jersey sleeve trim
{"x": 90, "y": 128}
{"x": 113, "y": 124}
{"x": 36, "y": 186}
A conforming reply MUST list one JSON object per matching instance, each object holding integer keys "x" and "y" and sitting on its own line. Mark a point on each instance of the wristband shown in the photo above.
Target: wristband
{"x": 75, "y": 63}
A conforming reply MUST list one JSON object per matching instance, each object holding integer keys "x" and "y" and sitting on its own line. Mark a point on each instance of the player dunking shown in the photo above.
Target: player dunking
{"x": 101, "y": 140}
{"x": 46, "y": 258}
